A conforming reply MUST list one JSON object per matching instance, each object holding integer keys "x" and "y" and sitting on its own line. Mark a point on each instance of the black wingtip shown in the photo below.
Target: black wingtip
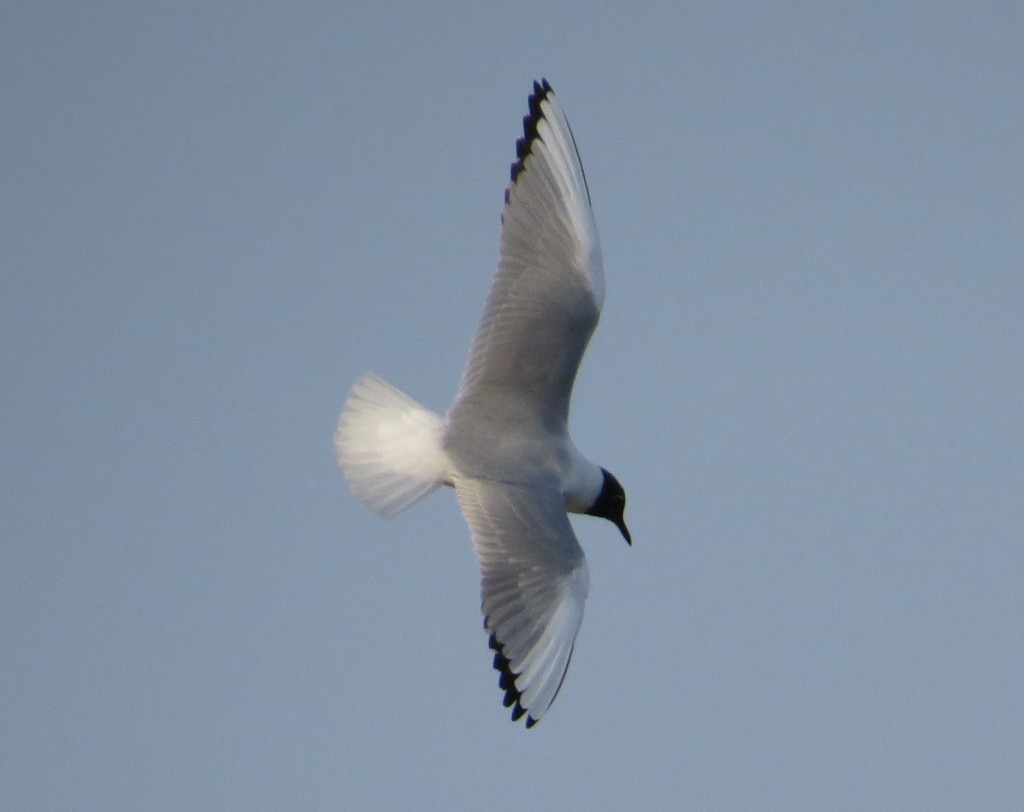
{"x": 507, "y": 681}
{"x": 541, "y": 90}
{"x": 531, "y": 121}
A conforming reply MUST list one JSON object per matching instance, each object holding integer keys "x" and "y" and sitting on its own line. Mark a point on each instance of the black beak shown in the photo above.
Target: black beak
{"x": 621, "y": 524}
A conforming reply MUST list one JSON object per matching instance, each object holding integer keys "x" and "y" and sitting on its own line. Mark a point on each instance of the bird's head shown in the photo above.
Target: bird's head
{"x": 611, "y": 504}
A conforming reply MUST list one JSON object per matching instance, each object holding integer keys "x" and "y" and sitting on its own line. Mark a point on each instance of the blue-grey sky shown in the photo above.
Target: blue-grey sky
{"x": 809, "y": 376}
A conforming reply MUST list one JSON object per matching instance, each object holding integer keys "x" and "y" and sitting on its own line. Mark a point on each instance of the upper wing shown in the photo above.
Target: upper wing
{"x": 535, "y": 583}
{"x": 548, "y": 292}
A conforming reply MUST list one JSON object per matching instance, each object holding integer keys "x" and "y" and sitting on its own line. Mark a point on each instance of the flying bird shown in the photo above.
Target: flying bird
{"x": 504, "y": 444}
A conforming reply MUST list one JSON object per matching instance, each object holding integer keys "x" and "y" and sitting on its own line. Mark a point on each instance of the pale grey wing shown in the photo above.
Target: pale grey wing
{"x": 535, "y": 583}
{"x": 548, "y": 292}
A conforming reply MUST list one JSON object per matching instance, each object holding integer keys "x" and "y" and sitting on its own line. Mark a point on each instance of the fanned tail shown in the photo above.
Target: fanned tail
{"x": 389, "y": 446}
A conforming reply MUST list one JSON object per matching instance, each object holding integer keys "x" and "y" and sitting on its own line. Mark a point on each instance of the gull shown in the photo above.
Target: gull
{"x": 504, "y": 444}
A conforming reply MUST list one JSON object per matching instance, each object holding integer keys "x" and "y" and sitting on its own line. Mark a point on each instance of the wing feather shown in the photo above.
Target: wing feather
{"x": 534, "y": 586}
{"x": 547, "y": 295}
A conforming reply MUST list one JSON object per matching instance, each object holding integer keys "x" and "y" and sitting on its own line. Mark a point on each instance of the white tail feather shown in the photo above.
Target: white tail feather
{"x": 389, "y": 446}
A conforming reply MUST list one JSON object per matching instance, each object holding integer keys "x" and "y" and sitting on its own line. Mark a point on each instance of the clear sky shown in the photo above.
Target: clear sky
{"x": 809, "y": 377}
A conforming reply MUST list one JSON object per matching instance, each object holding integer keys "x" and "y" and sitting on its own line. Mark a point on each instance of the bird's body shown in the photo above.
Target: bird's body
{"x": 504, "y": 444}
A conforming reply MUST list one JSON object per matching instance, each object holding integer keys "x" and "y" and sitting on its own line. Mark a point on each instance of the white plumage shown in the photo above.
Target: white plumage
{"x": 504, "y": 444}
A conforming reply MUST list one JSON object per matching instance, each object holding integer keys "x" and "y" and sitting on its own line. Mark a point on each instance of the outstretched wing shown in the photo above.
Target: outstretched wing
{"x": 535, "y": 583}
{"x": 548, "y": 292}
